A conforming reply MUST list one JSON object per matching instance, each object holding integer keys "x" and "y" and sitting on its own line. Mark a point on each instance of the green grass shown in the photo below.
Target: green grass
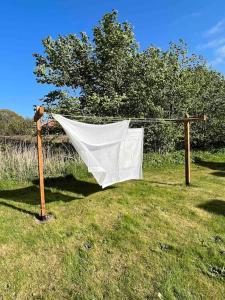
{"x": 149, "y": 239}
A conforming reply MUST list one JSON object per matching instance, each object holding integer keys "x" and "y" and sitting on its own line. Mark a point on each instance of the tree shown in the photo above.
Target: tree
{"x": 110, "y": 76}
{"x": 97, "y": 69}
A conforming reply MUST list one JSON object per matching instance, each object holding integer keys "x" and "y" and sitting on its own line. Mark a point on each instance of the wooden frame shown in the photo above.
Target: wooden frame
{"x": 187, "y": 149}
{"x": 37, "y": 118}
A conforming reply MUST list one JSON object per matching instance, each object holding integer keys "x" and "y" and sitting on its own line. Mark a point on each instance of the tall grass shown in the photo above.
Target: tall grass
{"x": 20, "y": 162}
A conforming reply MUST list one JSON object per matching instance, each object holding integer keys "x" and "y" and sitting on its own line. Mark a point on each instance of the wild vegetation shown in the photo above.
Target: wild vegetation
{"x": 13, "y": 124}
{"x": 20, "y": 163}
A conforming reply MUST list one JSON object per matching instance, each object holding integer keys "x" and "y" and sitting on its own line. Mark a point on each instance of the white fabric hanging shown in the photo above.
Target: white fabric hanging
{"x": 112, "y": 152}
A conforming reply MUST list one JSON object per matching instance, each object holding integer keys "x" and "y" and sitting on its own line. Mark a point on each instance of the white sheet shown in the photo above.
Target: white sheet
{"x": 112, "y": 152}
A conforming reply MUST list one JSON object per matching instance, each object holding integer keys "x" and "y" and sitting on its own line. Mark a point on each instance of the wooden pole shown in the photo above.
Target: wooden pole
{"x": 187, "y": 149}
{"x": 37, "y": 118}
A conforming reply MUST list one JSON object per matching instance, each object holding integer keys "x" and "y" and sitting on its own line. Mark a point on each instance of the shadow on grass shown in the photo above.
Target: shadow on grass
{"x": 31, "y": 195}
{"x": 214, "y": 206}
{"x": 217, "y": 166}
{"x": 71, "y": 184}
{"x": 24, "y": 211}
{"x": 219, "y": 173}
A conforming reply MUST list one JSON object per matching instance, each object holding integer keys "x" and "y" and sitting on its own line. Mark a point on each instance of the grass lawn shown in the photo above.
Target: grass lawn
{"x": 150, "y": 239}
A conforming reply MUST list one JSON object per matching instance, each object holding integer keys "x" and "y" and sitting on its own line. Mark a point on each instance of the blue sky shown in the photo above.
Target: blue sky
{"x": 24, "y": 23}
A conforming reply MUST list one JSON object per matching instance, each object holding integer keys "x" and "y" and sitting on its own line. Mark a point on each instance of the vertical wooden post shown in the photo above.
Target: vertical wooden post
{"x": 38, "y": 115}
{"x": 187, "y": 149}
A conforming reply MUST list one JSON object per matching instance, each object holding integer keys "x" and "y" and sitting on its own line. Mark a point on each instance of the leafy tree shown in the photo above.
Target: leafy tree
{"x": 110, "y": 76}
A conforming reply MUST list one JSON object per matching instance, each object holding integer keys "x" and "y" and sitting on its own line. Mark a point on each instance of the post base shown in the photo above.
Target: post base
{"x": 45, "y": 218}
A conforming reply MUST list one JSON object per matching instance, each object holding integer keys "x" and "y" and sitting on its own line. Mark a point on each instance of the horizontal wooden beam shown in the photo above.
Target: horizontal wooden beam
{"x": 189, "y": 119}
{"x": 39, "y": 113}
{"x": 181, "y": 120}
{"x": 198, "y": 118}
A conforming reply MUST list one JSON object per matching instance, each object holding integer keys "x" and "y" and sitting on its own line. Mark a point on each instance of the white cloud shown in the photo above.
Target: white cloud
{"x": 218, "y": 27}
{"x": 215, "y": 40}
{"x": 216, "y": 61}
{"x": 219, "y": 56}
{"x": 211, "y": 44}
{"x": 221, "y": 50}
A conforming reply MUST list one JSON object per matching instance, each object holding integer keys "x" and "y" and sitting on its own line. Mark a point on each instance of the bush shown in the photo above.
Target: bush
{"x": 13, "y": 124}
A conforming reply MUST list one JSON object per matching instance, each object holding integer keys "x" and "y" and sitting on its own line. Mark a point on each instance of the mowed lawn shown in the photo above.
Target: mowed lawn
{"x": 149, "y": 239}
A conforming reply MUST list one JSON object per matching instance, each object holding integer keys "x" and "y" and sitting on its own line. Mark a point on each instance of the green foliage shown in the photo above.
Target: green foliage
{"x": 110, "y": 76}
{"x": 13, "y": 124}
